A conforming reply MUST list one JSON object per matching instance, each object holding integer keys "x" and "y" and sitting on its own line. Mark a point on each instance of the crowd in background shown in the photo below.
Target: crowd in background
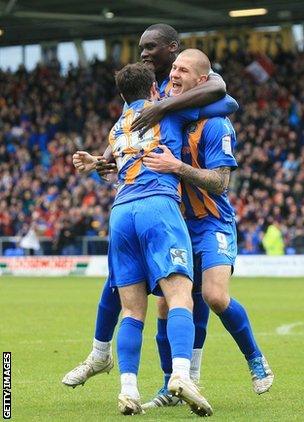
{"x": 268, "y": 189}
{"x": 45, "y": 117}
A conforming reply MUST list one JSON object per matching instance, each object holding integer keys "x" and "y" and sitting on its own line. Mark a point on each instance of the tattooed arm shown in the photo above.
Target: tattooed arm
{"x": 214, "y": 181}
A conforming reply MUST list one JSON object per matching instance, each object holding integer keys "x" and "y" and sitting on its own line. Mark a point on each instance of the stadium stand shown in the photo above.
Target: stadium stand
{"x": 45, "y": 117}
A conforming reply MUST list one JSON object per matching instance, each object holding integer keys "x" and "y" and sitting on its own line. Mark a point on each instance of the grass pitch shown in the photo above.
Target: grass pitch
{"x": 48, "y": 324}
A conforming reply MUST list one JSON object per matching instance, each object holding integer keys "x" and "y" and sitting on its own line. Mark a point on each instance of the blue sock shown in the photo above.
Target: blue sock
{"x": 236, "y": 321}
{"x": 200, "y": 319}
{"x": 180, "y": 331}
{"x": 108, "y": 312}
{"x": 166, "y": 380}
{"x": 129, "y": 341}
{"x": 164, "y": 350}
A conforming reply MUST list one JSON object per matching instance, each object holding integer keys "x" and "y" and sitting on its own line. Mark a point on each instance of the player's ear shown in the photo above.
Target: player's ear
{"x": 173, "y": 47}
{"x": 154, "y": 92}
{"x": 202, "y": 79}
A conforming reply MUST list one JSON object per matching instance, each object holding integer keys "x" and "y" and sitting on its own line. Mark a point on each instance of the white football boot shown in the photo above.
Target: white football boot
{"x": 127, "y": 405}
{"x": 185, "y": 389}
{"x": 87, "y": 369}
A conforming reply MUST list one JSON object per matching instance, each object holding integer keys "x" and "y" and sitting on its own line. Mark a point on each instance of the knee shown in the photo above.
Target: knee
{"x": 180, "y": 301}
{"x": 138, "y": 314}
{"x": 136, "y": 311}
{"x": 216, "y": 299}
{"x": 177, "y": 290}
{"x": 162, "y": 308}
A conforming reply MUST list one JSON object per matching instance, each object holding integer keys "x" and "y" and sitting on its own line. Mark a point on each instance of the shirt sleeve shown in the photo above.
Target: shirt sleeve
{"x": 187, "y": 115}
{"x": 218, "y": 142}
{"x": 222, "y": 108}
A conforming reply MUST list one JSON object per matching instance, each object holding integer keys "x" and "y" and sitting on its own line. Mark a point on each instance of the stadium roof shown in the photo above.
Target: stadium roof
{"x": 32, "y": 21}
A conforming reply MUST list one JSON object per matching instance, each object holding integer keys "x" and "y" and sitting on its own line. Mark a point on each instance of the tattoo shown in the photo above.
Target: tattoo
{"x": 213, "y": 181}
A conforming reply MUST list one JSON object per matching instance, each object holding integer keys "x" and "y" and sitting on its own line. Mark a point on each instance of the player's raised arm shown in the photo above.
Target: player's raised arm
{"x": 210, "y": 88}
{"x": 199, "y": 96}
{"x": 208, "y": 92}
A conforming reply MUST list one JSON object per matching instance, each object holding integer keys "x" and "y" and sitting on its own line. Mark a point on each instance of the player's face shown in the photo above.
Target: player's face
{"x": 155, "y": 53}
{"x": 184, "y": 75}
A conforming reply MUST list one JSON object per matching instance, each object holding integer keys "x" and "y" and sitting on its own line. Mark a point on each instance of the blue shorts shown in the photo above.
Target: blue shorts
{"x": 214, "y": 241}
{"x": 148, "y": 241}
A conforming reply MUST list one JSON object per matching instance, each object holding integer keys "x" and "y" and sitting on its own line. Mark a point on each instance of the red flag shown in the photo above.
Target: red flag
{"x": 261, "y": 69}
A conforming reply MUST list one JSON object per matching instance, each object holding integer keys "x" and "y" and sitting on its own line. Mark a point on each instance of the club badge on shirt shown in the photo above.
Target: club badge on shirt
{"x": 226, "y": 144}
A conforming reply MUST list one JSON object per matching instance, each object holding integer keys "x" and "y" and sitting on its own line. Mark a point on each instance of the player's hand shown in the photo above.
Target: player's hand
{"x": 162, "y": 163}
{"x": 84, "y": 162}
{"x": 148, "y": 118}
{"x": 104, "y": 168}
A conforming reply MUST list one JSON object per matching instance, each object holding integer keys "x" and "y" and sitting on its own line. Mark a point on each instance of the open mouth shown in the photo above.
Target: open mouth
{"x": 148, "y": 62}
{"x": 176, "y": 88}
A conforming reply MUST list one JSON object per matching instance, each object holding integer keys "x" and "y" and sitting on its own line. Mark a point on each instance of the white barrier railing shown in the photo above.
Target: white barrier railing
{"x": 269, "y": 266}
{"x": 86, "y": 245}
{"x": 246, "y": 266}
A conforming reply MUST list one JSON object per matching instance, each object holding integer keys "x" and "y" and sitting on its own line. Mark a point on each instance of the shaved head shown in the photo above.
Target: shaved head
{"x": 190, "y": 68}
{"x": 199, "y": 60}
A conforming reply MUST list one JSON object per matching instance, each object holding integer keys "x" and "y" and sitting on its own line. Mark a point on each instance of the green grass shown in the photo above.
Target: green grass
{"x": 47, "y": 324}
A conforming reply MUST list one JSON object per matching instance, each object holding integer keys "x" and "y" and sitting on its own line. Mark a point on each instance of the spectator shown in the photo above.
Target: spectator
{"x": 66, "y": 243}
{"x": 30, "y": 241}
{"x": 273, "y": 239}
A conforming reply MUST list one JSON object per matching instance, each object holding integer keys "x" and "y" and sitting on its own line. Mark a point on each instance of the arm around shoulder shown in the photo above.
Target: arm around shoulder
{"x": 199, "y": 96}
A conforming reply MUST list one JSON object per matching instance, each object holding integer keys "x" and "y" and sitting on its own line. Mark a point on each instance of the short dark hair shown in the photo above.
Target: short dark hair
{"x": 134, "y": 81}
{"x": 167, "y": 32}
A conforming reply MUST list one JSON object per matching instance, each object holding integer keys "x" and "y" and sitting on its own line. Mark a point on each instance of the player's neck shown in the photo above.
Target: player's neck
{"x": 135, "y": 100}
{"x": 161, "y": 76}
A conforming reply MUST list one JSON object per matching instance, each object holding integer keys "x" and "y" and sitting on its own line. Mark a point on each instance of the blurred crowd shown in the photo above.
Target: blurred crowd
{"x": 45, "y": 117}
{"x": 268, "y": 189}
